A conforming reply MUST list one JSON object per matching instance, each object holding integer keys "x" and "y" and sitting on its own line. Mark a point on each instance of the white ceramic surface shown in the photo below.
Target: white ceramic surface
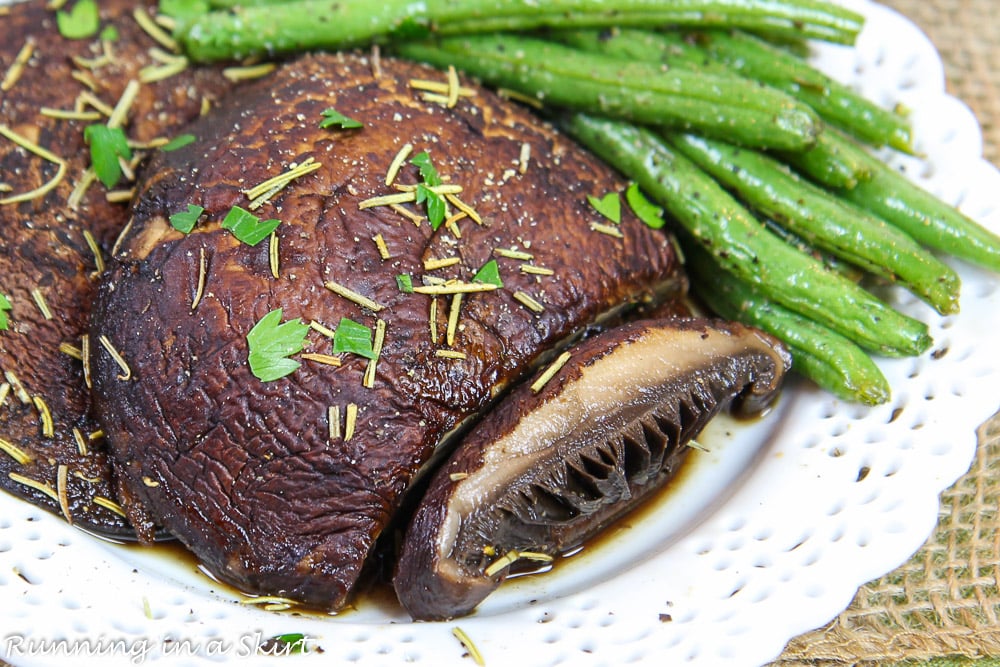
{"x": 723, "y": 574}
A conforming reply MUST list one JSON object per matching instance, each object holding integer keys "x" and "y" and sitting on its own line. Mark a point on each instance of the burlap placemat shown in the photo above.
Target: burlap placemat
{"x": 946, "y": 600}
{"x": 967, "y": 35}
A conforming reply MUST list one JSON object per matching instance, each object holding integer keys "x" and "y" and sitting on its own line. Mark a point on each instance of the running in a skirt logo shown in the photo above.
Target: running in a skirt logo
{"x": 138, "y": 650}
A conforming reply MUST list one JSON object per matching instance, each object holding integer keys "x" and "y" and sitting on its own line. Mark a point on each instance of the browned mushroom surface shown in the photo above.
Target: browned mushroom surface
{"x": 283, "y": 486}
{"x": 56, "y": 235}
{"x": 562, "y": 457}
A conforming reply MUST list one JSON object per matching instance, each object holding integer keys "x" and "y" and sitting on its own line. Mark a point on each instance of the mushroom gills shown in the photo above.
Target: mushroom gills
{"x": 548, "y": 469}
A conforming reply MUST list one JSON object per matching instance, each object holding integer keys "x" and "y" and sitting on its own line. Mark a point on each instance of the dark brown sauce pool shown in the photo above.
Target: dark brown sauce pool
{"x": 376, "y": 596}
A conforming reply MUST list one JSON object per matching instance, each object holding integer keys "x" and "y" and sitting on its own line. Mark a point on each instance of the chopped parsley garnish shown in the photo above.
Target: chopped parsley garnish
{"x": 332, "y": 117}
{"x": 287, "y": 644}
{"x": 489, "y": 274}
{"x": 610, "y": 206}
{"x": 404, "y": 282}
{"x": 180, "y": 141}
{"x": 353, "y": 337}
{"x": 181, "y": 9}
{"x": 186, "y": 220}
{"x": 107, "y": 144}
{"x": 271, "y": 342}
{"x": 109, "y": 34}
{"x": 422, "y": 161}
{"x": 644, "y": 209}
{"x": 412, "y": 29}
{"x": 247, "y": 227}
{"x": 436, "y": 207}
{"x": 5, "y": 307}
{"x": 80, "y": 22}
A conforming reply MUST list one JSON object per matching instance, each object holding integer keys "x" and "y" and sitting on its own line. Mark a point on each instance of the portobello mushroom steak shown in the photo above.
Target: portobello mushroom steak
{"x": 588, "y": 440}
{"x": 403, "y": 260}
{"x": 56, "y": 234}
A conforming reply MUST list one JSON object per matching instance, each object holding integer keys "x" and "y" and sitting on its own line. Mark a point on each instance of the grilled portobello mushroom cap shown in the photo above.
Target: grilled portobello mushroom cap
{"x": 52, "y": 452}
{"x": 283, "y": 486}
{"x": 562, "y": 457}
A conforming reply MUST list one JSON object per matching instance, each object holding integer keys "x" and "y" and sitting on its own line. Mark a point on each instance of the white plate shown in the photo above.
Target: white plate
{"x": 837, "y": 496}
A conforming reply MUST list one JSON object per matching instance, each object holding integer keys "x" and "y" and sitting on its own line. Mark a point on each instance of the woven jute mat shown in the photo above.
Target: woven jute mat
{"x": 943, "y": 605}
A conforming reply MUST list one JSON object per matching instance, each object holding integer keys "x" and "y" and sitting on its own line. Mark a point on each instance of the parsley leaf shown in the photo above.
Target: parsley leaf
{"x": 186, "y": 220}
{"x": 436, "y": 208}
{"x": 353, "y": 337}
{"x": 109, "y": 34}
{"x": 610, "y": 206}
{"x": 644, "y": 209}
{"x": 80, "y": 22}
{"x": 247, "y": 227}
{"x": 271, "y": 342}
{"x": 106, "y": 146}
{"x": 180, "y": 141}
{"x": 287, "y": 644}
{"x": 422, "y": 161}
{"x": 4, "y": 308}
{"x": 404, "y": 282}
{"x": 412, "y": 29}
{"x": 489, "y": 274}
{"x": 333, "y": 117}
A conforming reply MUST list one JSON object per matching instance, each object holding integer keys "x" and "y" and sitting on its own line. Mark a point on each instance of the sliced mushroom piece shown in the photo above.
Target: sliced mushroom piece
{"x": 549, "y": 467}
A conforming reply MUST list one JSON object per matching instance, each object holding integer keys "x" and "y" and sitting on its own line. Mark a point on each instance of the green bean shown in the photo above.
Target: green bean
{"x": 832, "y": 163}
{"x": 893, "y": 197}
{"x": 825, "y": 221}
{"x": 730, "y": 106}
{"x": 742, "y": 245}
{"x": 836, "y": 164}
{"x": 830, "y": 360}
{"x": 281, "y": 27}
{"x": 830, "y": 261}
{"x": 642, "y": 45}
{"x": 719, "y": 52}
{"x": 835, "y": 102}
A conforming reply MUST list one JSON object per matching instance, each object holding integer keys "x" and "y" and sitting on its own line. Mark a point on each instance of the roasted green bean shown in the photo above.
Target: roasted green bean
{"x": 263, "y": 27}
{"x": 827, "y": 358}
{"x": 826, "y": 222}
{"x": 742, "y": 245}
{"x": 730, "y": 106}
